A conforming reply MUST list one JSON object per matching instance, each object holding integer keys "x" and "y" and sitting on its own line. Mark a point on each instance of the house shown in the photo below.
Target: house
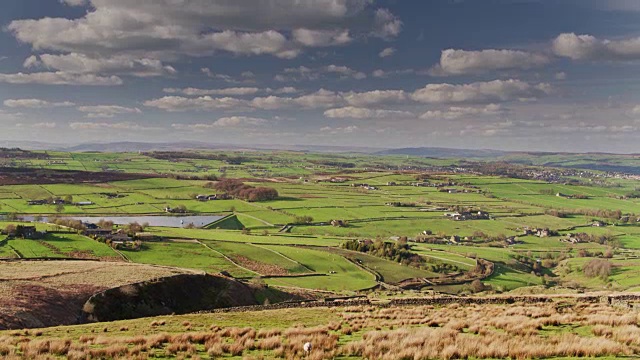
{"x": 452, "y": 191}
{"x": 391, "y": 183}
{"x": 92, "y": 226}
{"x": 27, "y": 232}
{"x": 58, "y": 201}
{"x": 598, "y": 223}
{"x": 37, "y": 202}
{"x": 84, "y": 203}
{"x": 454, "y": 239}
{"x": 104, "y": 233}
{"x": 202, "y": 197}
{"x": 338, "y": 223}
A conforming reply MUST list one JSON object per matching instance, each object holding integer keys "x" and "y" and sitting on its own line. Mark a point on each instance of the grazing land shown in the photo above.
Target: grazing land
{"x": 295, "y": 225}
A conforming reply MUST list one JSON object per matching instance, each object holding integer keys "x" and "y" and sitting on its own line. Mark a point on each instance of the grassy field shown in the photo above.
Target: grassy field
{"x": 336, "y": 273}
{"x": 303, "y": 183}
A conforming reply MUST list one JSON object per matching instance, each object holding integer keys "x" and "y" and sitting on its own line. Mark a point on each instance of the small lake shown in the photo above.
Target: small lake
{"x": 164, "y": 221}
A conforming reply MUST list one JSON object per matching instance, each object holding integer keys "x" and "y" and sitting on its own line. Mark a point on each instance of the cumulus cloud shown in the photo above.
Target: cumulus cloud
{"x": 107, "y": 111}
{"x": 60, "y": 78}
{"x": 232, "y": 121}
{"x": 35, "y": 103}
{"x": 166, "y": 29}
{"x": 31, "y": 62}
{"x": 462, "y": 62}
{"x": 375, "y": 97}
{"x": 339, "y": 130}
{"x": 319, "y": 38}
{"x": 365, "y": 113}
{"x": 40, "y": 125}
{"x": 491, "y": 91}
{"x": 234, "y": 91}
{"x": 106, "y": 126}
{"x": 590, "y": 48}
{"x": 74, "y": 2}
{"x": 387, "y": 25}
{"x": 304, "y": 73}
{"x": 75, "y": 63}
{"x": 235, "y": 121}
{"x": 387, "y": 52}
{"x": 561, "y": 75}
{"x": 203, "y": 103}
{"x": 457, "y": 112}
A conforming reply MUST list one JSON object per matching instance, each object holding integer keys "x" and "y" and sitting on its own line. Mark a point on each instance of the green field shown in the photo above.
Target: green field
{"x": 253, "y": 244}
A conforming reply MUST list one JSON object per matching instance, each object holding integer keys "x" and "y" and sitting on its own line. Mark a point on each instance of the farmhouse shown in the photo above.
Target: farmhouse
{"x": 84, "y": 203}
{"x": 97, "y": 232}
{"x": 338, "y": 223}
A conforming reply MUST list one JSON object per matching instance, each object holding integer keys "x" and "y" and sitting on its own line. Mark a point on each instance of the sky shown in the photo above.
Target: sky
{"x": 545, "y": 75}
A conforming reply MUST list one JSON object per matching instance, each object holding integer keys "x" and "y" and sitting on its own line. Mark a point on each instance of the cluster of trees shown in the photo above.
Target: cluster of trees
{"x": 67, "y": 222}
{"x": 398, "y": 251}
{"x": 209, "y": 177}
{"x": 304, "y": 220}
{"x": 178, "y": 155}
{"x": 334, "y": 163}
{"x": 238, "y": 189}
{"x": 597, "y": 268}
{"x": 600, "y": 213}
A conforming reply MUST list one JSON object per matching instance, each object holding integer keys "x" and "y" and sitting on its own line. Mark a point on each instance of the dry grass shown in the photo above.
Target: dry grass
{"x": 517, "y": 331}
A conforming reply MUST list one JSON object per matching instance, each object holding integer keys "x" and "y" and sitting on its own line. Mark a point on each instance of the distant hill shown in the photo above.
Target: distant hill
{"x": 437, "y": 152}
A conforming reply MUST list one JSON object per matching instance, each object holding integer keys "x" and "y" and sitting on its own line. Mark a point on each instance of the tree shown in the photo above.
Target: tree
{"x": 477, "y": 286}
{"x": 597, "y": 268}
{"x": 10, "y": 229}
{"x": 59, "y": 208}
{"x": 68, "y": 199}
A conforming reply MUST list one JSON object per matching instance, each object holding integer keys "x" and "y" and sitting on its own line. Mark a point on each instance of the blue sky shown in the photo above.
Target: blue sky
{"x": 550, "y": 75}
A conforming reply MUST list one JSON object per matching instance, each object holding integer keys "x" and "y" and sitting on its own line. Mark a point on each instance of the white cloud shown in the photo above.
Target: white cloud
{"x": 318, "y": 38}
{"x": 387, "y": 52}
{"x": 491, "y": 91}
{"x": 40, "y": 125}
{"x": 106, "y": 126}
{"x": 164, "y": 30}
{"x": 561, "y": 75}
{"x": 345, "y": 72}
{"x": 461, "y": 62}
{"x": 60, "y": 78}
{"x": 375, "y": 97}
{"x": 235, "y": 121}
{"x": 31, "y": 62}
{"x": 339, "y": 130}
{"x": 387, "y": 25}
{"x": 235, "y": 91}
{"x": 44, "y": 125}
{"x": 81, "y": 64}
{"x": 106, "y": 111}
{"x": 304, "y": 73}
{"x": 74, "y": 2}
{"x": 379, "y": 73}
{"x": 203, "y": 103}
{"x": 35, "y": 103}
{"x": 590, "y": 48}
{"x": 284, "y": 90}
{"x": 456, "y": 112}
{"x": 364, "y": 113}
{"x": 232, "y": 121}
